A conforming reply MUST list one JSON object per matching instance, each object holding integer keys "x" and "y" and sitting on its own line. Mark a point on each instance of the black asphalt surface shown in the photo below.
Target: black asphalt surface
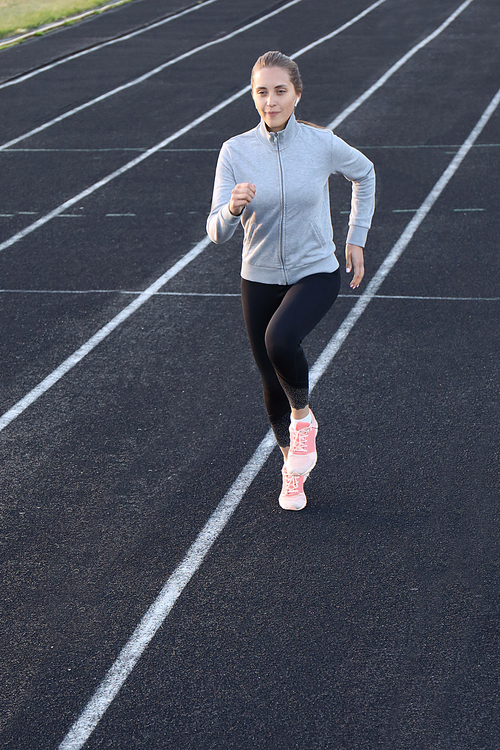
{"x": 370, "y": 619}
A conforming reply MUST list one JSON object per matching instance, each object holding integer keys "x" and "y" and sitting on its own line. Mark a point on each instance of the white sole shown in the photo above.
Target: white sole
{"x": 292, "y": 507}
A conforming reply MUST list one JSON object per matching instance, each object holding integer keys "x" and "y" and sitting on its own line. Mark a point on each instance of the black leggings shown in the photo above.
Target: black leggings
{"x": 278, "y": 318}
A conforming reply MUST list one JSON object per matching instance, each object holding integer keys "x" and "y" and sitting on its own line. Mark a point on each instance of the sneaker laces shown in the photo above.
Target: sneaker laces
{"x": 298, "y": 439}
{"x": 291, "y": 484}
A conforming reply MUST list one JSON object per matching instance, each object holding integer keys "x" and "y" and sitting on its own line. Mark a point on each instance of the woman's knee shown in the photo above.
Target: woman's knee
{"x": 281, "y": 346}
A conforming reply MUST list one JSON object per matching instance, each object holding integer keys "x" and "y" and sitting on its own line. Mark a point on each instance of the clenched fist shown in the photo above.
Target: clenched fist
{"x": 242, "y": 194}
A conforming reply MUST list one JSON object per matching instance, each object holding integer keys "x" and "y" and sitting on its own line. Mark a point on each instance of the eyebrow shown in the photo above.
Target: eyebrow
{"x": 279, "y": 86}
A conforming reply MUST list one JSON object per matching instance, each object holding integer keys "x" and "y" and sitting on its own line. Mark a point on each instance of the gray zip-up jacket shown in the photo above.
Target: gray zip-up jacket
{"x": 287, "y": 227}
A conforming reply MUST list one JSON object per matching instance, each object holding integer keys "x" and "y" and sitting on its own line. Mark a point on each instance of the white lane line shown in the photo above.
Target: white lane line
{"x": 138, "y": 159}
{"x": 180, "y": 150}
{"x": 224, "y": 295}
{"x": 117, "y": 291}
{"x": 431, "y": 299}
{"x": 383, "y": 79}
{"x": 146, "y": 76}
{"x": 175, "y": 213}
{"x": 176, "y": 583}
{"x": 108, "y": 150}
{"x": 82, "y": 352}
{"x": 422, "y": 146}
{"x": 123, "y": 38}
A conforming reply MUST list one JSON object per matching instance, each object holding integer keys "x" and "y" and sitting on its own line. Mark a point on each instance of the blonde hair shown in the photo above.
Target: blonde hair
{"x": 279, "y": 60}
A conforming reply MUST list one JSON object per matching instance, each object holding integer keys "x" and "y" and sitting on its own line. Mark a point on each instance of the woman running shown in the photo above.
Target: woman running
{"x": 274, "y": 180}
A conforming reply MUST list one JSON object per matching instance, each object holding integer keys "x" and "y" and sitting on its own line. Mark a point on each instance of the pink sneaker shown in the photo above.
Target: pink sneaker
{"x": 292, "y": 494}
{"x": 302, "y": 456}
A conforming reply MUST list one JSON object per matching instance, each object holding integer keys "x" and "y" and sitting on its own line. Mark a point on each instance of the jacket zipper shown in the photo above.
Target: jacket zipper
{"x": 281, "y": 249}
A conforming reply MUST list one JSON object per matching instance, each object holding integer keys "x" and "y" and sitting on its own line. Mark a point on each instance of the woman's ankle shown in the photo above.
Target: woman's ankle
{"x": 299, "y": 414}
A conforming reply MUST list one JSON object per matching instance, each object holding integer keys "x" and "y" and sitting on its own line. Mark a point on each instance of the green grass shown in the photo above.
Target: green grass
{"x": 19, "y": 16}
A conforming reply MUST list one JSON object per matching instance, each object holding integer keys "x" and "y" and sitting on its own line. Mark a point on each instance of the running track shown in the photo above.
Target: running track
{"x": 153, "y": 593}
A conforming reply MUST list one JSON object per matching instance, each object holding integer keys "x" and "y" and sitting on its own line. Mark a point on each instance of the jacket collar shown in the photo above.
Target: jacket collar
{"x": 285, "y": 137}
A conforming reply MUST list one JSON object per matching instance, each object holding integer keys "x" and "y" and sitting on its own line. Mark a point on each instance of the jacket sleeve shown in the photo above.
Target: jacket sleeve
{"x": 221, "y": 224}
{"x": 360, "y": 171}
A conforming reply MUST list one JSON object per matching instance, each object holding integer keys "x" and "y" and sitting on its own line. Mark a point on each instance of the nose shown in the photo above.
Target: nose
{"x": 270, "y": 101}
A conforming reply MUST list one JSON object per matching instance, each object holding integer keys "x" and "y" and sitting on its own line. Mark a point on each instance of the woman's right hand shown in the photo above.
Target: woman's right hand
{"x": 242, "y": 194}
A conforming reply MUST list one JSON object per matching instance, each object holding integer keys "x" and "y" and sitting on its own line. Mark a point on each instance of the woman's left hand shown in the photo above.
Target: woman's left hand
{"x": 354, "y": 259}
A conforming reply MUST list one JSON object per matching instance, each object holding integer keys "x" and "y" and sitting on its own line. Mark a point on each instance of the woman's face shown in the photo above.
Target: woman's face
{"x": 274, "y": 96}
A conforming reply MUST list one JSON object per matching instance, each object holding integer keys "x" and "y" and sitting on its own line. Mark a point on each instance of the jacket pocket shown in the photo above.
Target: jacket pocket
{"x": 250, "y": 228}
{"x": 317, "y": 233}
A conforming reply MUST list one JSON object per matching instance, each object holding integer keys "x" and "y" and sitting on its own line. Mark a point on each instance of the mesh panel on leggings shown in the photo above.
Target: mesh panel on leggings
{"x": 298, "y": 397}
{"x": 281, "y": 430}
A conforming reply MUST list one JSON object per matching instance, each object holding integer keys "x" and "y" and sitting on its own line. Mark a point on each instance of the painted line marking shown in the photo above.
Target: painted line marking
{"x": 180, "y": 150}
{"x": 177, "y": 582}
{"x": 154, "y": 149}
{"x": 433, "y": 299}
{"x": 176, "y": 213}
{"x": 117, "y": 291}
{"x": 146, "y": 76}
{"x": 123, "y": 38}
{"x": 234, "y": 295}
{"x": 394, "y": 68}
{"x": 99, "y": 150}
{"x": 430, "y": 145}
